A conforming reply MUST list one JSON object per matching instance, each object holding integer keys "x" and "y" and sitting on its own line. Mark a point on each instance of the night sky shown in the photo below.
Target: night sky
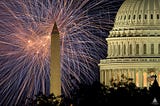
{"x": 25, "y": 45}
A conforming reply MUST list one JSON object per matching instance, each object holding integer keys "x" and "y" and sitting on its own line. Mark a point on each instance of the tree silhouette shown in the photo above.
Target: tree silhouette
{"x": 43, "y": 100}
{"x": 123, "y": 92}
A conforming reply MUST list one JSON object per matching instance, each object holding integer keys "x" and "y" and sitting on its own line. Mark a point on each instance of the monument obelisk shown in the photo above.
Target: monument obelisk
{"x": 55, "y": 72}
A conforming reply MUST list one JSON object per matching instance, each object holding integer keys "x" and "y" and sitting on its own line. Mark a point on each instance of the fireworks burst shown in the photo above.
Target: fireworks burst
{"x": 25, "y": 29}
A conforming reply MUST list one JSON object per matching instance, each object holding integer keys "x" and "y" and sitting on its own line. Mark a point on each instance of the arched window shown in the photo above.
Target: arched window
{"x": 130, "y": 49}
{"x": 134, "y": 16}
{"x": 152, "y": 48}
{"x": 129, "y": 17}
{"x": 139, "y": 17}
{"x": 137, "y": 48}
{"x": 145, "y": 16}
{"x": 144, "y": 49}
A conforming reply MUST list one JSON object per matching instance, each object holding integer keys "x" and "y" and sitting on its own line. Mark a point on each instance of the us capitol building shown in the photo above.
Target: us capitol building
{"x": 134, "y": 44}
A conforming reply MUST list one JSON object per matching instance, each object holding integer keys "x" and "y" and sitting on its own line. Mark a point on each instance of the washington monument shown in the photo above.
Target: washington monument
{"x": 55, "y": 77}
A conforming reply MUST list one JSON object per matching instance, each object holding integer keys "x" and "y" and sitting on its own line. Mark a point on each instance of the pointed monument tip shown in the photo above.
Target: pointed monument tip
{"x": 55, "y": 29}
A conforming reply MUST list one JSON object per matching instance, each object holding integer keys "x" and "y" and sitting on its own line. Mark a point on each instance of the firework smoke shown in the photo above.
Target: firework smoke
{"x": 25, "y": 36}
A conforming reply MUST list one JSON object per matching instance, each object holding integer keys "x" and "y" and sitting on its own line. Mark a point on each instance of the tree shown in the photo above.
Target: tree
{"x": 43, "y": 100}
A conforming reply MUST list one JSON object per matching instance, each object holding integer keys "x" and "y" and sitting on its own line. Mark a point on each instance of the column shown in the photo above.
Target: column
{"x": 158, "y": 77}
{"x": 156, "y": 49}
{"x": 133, "y": 48}
{"x": 141, "y": 48}
{"x": 121, "y": 48}
{"x": 109, "y": 50}
{"x": 129, "y": 73}
{"x": 117, "y": 74}
{"x": 145, "y": 78}
{"x": 140, "y": 77}
{"x": 132, "y": 74}
{"x": 113, "y": 74}
{"x": 101, "y": 76}
{"x": 127, "y": 48}
{"x": 121, "y": 73}
{"x": 105, "y": 71}
{"x": 113, "y": 51}
{"x": 109, "y": 76}
{"x": 116, "y": 49}
{"x": 157, "y": 73}
{"x": 126, "y": 72}
{"x": 148, "y": 48}
{"x": 136, "y": 78}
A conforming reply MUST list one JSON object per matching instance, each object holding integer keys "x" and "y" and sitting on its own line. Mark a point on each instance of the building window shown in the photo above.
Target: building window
{"x": 152, "y": 48}
{"x": 157, "y": 16}
{"x": 139, "y": 17}
{"x": 145, "y": 16}
{"x": 130, "y": 49}
{"x": 134, "y": 17}
{"x": 124, "y": 49}
{"x": 158, "y": 48}
{"x": 137, "y": 48}
{"x": 144, "y": 49}
{"x": 104, "y": 79}
{"x": 129, "y": 17}
{"x": 151, "y": 16}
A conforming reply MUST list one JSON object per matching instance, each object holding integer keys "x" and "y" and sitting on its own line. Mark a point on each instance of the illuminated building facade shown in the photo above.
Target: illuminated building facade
{"x": 134, "y": 44}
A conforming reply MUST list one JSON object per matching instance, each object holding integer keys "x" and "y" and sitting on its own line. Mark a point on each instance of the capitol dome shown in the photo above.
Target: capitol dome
{"x": 134, "y": 44}
{"x": 137, "y": 18}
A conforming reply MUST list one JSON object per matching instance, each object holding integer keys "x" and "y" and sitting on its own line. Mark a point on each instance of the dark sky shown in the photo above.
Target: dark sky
{"x": 80, "y": 59}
